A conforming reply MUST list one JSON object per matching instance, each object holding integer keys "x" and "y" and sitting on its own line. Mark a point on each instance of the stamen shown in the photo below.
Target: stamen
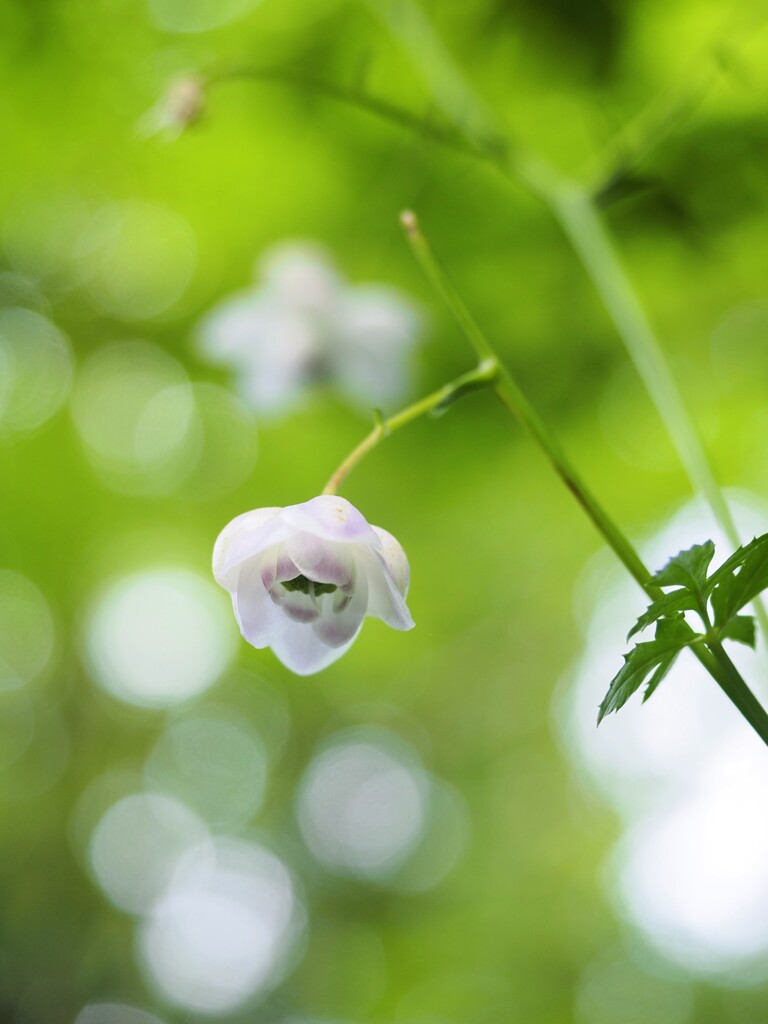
{"x": 310, "y": 587}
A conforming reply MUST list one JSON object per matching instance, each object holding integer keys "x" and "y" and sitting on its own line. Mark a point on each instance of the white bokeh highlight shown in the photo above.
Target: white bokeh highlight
{"x": 114, "y": 1013}
{"x": 134, "y": 410}
{"x": 158, "y": 637}
{"x": 147, "y": 430}
{"x": 140, "y": 258}
{"x": 27, "y": 632}
{"x": 216, "y": 763}
{"x": 222, "y": 932}
{"x": 615, "y": 990}
{"x": 136, "y": 846}
{"x": 363, "y": 804}
{"x": 36, "y": 370}
{"x": 189, "y": 16}
{"x": 685, "y": 773}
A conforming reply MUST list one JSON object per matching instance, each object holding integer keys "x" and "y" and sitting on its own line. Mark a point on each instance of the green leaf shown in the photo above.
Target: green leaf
{"x": 741, "y": 628}
{"x": 687, "y": 568}
{"x": 737, "y": 559}
{"x": 659, "y": 674}
{"x": 653, "y": 659}
{"x": 739, "y": 588}
{"x": 677, "y": 601}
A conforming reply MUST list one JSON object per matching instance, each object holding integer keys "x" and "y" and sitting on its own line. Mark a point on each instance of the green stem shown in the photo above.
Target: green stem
{"x": 715, "y": 662}
{"x": 482, "y": 376}
{"x": 579, "y": 220}
{"x": 737, "y": 691}
{"x": 512, "y": 396}
{"x": 583, "y": 227}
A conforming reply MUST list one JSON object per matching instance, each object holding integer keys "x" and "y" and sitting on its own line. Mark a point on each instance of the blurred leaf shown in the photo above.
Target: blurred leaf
{"x": 621, "y": 185}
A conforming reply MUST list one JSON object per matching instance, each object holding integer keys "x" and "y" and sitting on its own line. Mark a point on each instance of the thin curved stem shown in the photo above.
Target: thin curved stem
{"x": 357, "y": 98}
{"x": 482, "y": 376}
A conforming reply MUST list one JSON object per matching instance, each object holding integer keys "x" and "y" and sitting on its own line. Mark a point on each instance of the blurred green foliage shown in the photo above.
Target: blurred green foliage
{"x": 495, "y": 545}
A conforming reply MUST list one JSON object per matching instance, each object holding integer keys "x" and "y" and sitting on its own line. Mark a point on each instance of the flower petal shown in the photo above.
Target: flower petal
{"x": 332, "y": 518}
{"x": 338, "y": 625}
{"x": 321, "y": 560}
{"x": 243, "y": 536}
{"x": 376, "y": 331}
{"x": 395, "y": 559}
{"x": 276, "y": 566}
{"x": 260, "y": 620}
{"x": 385, "y": 600}
{"x": 299, "y": 607}
{"x": 301, "y": 274}
{"x": 303, "y": 652}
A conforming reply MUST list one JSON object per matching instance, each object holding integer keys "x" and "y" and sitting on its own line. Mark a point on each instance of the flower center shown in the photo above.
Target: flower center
{"x": 305, "y": 586}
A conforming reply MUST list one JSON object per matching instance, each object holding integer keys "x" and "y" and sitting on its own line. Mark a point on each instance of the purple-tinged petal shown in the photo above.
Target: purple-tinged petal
{"x": 277, "y": 567}
{"x": 385, "y": 601}
{"x": 259, "y": 619}
{"x": 332, "y": 518}
{"x": 337, "y": 627}
{"x": 321, "y": 560}
{"x": 253, "y": 543}
{"x": 303, "y": 652}
{"x": 298, "y": 606}
{"x": 395, "y": 559}
{"x": 244, "y": 531}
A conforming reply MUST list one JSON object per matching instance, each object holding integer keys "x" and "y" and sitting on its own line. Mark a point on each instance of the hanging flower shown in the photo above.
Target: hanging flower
{"x": 303, "y": 578}
{"x": 303, "y": 325}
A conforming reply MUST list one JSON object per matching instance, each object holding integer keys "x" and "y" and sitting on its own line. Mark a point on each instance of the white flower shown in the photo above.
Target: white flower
{"x": 303, "y": 578}
{"x": 305, "y": 324}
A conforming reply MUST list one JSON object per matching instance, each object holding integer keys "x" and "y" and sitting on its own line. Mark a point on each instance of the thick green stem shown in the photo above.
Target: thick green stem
{"x": 581, "y": 222}
{"x": 512, "y": 396}
{"x": 734, "y": 687}
{"x": 716, "y": 661}
{"x": 576, "y": 213}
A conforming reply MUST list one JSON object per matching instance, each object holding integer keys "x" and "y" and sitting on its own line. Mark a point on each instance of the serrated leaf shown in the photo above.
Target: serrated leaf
{"x": 687, "y": 568}
{"x": 659, "y": 674}
{"x": 736, "y": 559}
{"x": 739, "y": 588}
{"x": 741, "y": 628}
{"x": 677, "y": 601}
{"x": 653, "y": 658}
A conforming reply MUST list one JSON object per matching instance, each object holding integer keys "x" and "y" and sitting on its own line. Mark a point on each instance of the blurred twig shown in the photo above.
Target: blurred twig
{"x": 669, "y": 111}
{"x": 444, "y": 132}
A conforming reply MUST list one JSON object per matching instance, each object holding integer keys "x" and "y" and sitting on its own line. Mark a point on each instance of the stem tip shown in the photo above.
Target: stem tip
{"x": 409, "y": 221}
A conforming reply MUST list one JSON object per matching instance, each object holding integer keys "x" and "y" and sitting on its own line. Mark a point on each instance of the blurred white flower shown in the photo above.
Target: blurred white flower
{"x": 305, "y": 324}
{"x": 302, "y": 578}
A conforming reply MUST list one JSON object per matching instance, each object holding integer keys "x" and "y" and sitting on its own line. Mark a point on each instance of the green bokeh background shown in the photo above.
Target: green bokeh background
{"x": 495, "y": 543}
